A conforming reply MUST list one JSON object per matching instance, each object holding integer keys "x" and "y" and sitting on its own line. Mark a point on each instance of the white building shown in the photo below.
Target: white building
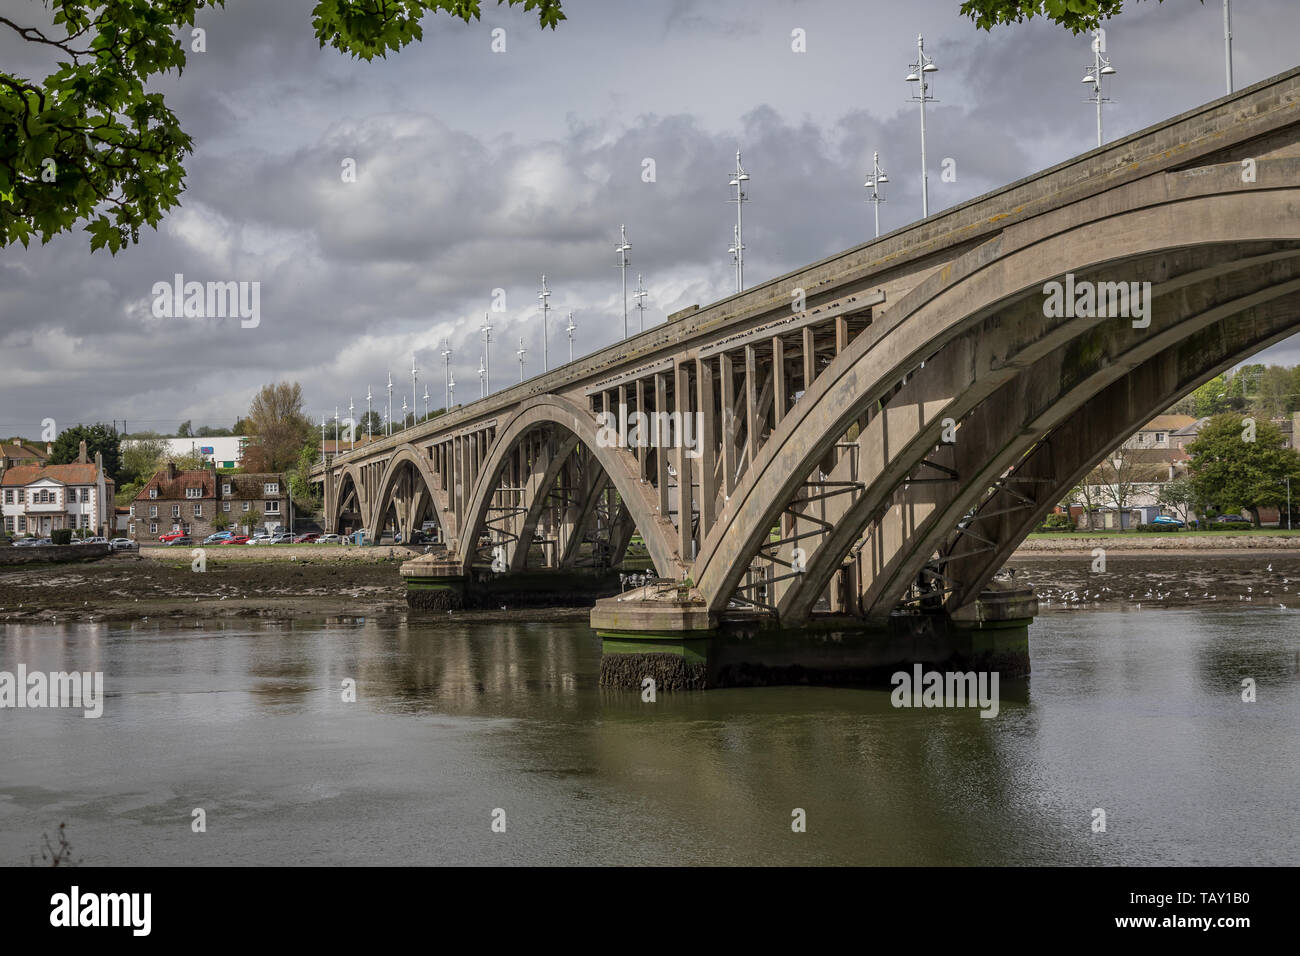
{"x": 39, "y": 499}
{"x": 225, "y": 452}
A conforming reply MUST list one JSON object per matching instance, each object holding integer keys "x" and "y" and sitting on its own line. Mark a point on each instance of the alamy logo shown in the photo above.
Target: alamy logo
{"x": 950, "y": 689}
{"x": 213, "y": 300}
{"x": 55, "y": 689}
{"x": 1101, "y": 300}
{"x": 102, "y": 909}
{"x": 650, "y": 430}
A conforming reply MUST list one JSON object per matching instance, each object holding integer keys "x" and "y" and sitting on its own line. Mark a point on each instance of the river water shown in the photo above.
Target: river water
{"x": 1137, "y": 713}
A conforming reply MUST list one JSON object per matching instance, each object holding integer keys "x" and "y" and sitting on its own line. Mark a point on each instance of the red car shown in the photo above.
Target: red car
{"x": 171, "y": 536}
{"x": 306, "y": 538}
{"x": 236, "y": 539}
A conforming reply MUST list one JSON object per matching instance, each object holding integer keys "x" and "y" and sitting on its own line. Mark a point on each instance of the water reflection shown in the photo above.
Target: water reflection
{"x": 1139, "y": 714}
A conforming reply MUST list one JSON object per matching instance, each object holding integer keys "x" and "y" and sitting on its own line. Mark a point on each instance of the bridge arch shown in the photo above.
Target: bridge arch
{"x": 407, "y": 461}
{"x": 1183, "y": 211}
{"x": 617, "y": 463}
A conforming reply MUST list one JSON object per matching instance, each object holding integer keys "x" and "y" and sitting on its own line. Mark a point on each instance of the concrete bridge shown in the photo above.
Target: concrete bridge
{"x": 877, "y": 431}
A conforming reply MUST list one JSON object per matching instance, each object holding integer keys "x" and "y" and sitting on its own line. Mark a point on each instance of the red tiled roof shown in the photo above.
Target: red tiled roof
{"x": 20, "y": 451}
{"x": 73, "y": 474}
{"x": 174, "y": 488}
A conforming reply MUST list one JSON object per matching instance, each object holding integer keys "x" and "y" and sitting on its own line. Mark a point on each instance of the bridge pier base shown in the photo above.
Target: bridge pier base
{"x": 674, "y": 643}
{"x": 434, "y": 583}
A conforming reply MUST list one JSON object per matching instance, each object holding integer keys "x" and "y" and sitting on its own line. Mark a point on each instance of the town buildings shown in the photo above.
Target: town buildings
{"x": 200, "y": 501}
{"x": 37, "y": 499}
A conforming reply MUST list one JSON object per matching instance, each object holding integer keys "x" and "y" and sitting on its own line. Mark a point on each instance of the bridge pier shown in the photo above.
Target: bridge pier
{"x": 434, "y": 584}
{"x": 671, "y": 638}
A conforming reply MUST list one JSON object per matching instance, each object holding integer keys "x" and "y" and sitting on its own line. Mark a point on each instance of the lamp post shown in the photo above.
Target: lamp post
{"x": 415, "y": 390}
{"x": 639, "y": 293}
{"x": 486, "y": 329}
{"x": 873, "y": 183}
{"x": 482, "y": 378}
{"x": 521, "y": 353}
{"x": 570, "y": 328}
{"x": 735, "y": 250}
{"x": 1118, "y": 462}
{"x": 368, "y": 429}
{"x": 1100, "y": 67}
{"x": 352, "y": 427}
{"x": 446, "y": 361}
{"x": 388, "y": 422}
{"x": 919, "y": 69}
{"x": 545, "y": 296}
{"x": 1227, "y": 43}
{"x": 426, "y": 401}
{"x": 738, "y": 179}
{"x": 451, "y": 390}
{"x": 622, "y": 249}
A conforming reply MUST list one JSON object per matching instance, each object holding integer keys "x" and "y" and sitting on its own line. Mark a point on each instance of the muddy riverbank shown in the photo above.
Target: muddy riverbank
{"x": 160, "y": 583}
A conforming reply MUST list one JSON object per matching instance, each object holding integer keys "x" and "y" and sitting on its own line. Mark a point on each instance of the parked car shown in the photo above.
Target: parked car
{"x": 170, "y": 535}
{"x": 1230, "y": 519}
{"x": 308, "y": 538}
{"x": 27, "y": 542}
{"x": 236, "y": 539}
{"x": 123, "y": 544}
{"x": 330, "y": 539}
{"x": 218, "y": 537}
{"x": 1167, "y": 519}
{"x": 184, "y": 541}
{"x": 260, "y": 539}
{"x": 283, "y": 537}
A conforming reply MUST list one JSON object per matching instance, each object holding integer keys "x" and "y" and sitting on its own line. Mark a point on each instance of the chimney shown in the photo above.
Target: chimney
{"x": 171, "y": 470}
{"x": 81, "y": 453}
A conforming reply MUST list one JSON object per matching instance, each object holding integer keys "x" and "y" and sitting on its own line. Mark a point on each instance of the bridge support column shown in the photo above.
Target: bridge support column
{"x": 434, "y": 584}
{"x": 665, "y": 633}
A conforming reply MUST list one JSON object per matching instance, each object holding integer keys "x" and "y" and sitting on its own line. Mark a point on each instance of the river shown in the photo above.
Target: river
{"x": 1137, "y": 713}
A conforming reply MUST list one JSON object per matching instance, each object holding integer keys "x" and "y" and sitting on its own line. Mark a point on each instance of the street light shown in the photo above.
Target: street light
{"x": 570, "y": 329}
{"x": 521, "y": 353}
{"x": 1227, "y": 43}
{"x": 482, "y": 378}
{"x": 736, "y": 249}
{"x": 622, "y": 248}
{"x": 1100, "y": 67}
{"x": 486, "y": 329}
{"x": 738, "y": 179}
{"x": 446, "y": 360}
{"x": 388, "y": 423}
{"x": 368, "y": 435}
{"x": 639, "y": 294}
{"x": 352, "y": 430}
{"x": 545, "y": 296}
{"x": 877, "y": 177}
{"x": 918, "y": 70}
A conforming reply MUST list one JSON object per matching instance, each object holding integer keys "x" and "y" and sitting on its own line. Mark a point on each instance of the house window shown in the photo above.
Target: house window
{"x": 153, "y": 492}
{"x": 272, "y": 508}
{"x": 225, "y": 489}
{"x": 22, "y": 523}
{"x": 130, "y": 530}
{"x": 132, "y": 511}
{"x": 153, "y": 511}
{"x": 272, "y": 488}
{"x": 225, "y": 506}
{"x": 85, "y": 521}
{"x": 153, "y": 527}
{"x": 247, "y": 505}
{"x": 176, "y": 511}
{"x": 198, "y": 510}
{"x": 9, "y": 497}
{"x": 9, "y": 524}
{"x": 193, "y": 492}
{"x": 187, "y": 527}
{"x": 85, "y": 496}
{"x": 1160, "y": 436}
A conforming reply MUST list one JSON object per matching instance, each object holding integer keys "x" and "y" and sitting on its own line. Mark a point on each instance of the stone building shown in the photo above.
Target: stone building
{"x": 201, "y": 501}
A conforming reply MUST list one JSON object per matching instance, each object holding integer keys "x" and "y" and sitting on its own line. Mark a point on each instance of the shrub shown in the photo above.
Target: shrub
{"x": 1057, "y": 522}
{"x": 1157, "y": 528}
{"x": 61, "y": 536}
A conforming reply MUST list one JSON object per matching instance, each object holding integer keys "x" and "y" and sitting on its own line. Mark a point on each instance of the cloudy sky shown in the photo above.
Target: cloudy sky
{"x": 479, "y": 170}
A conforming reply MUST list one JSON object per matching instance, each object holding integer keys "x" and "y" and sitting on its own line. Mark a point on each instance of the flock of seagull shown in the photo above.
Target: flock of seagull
{"x": 1068, "y": 597}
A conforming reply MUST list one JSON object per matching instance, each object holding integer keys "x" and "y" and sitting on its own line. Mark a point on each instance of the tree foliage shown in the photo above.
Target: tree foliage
{"x": 1078, "y": 16}
{"x": 277, "y": 427}
{"x": 1230, "y": 473}
{"x": 89, "y": 144}
{"x": 98, "y": 438}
